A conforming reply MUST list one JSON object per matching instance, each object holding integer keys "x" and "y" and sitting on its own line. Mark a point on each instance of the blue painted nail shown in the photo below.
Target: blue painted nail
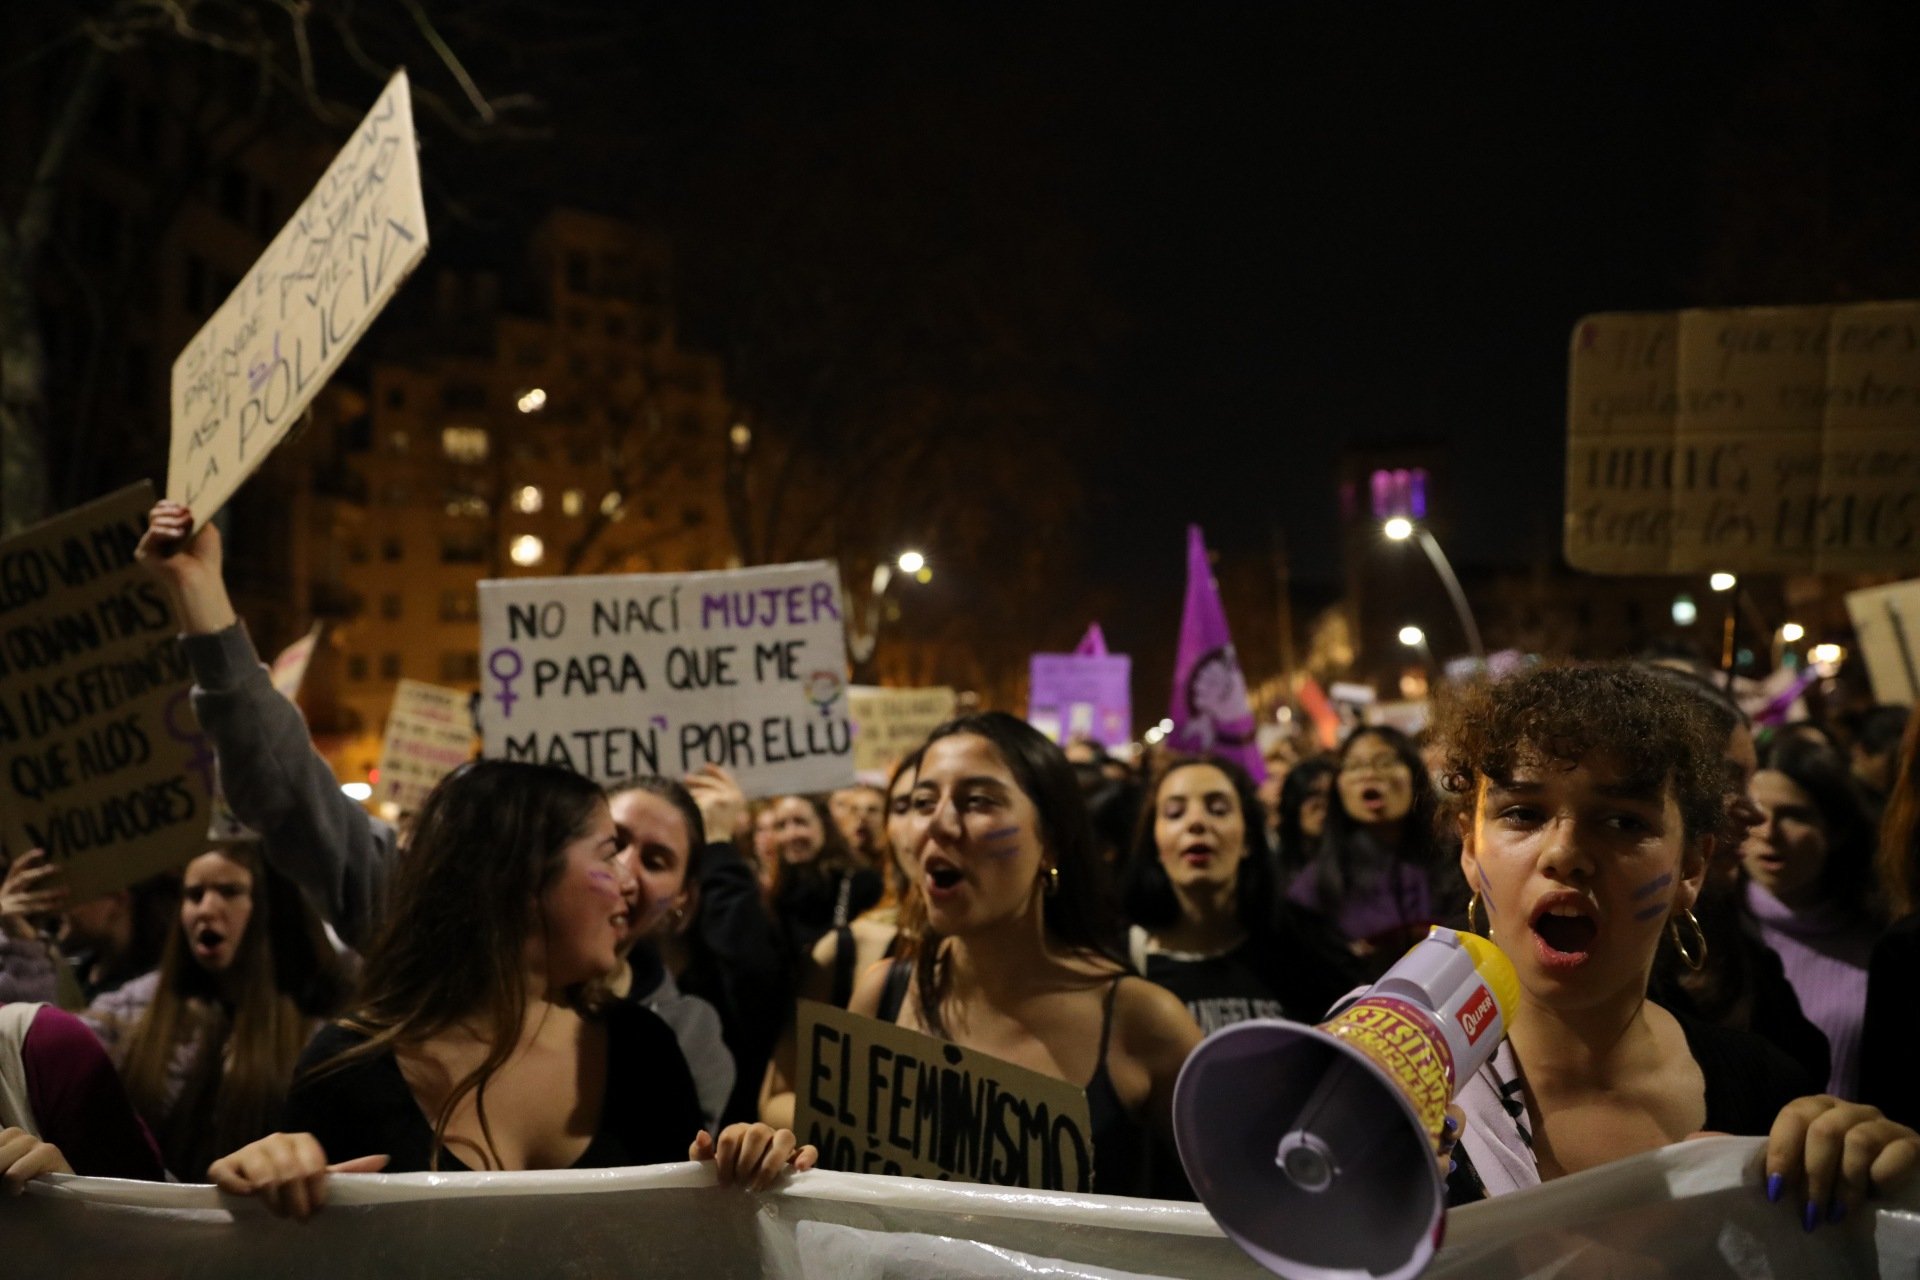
{"x": 1775, "y": 1181}
{"x": 1811, "y": 1218}
{"x": 1453, "y": 1166}
{"x": 1451, "y": 1124}
{"x": 1839, "y": 1211}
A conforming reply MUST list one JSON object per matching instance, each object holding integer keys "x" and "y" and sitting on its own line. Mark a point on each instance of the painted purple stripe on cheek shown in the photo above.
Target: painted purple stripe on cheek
{"x": 1002, "y": 843}
{"x": 1485, "y": 887}
{"x": 1648, "y": 913}
{"x": 1653, "y": 886}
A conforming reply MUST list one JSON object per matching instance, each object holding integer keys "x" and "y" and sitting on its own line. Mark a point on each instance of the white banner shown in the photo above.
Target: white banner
{"x": 1689, "y": 1212}
{"x": 659, "y": 673}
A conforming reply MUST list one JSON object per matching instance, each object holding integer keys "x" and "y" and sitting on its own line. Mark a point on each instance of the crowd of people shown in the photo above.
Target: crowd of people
{"x": 1711, "y": 925}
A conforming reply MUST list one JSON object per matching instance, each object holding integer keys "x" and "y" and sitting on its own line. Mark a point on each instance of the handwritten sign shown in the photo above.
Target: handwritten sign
{"x": 253, "y": 368}
{"x": 1779, "y": 439}
{"x": 876, "y": 1098}
{"x": 1887, "y": 621}
{"x": 888, "y": 724}
{"x": 104, "y": 764}
{"x": 661, "y": 673}
{"x": 429, "y": 735}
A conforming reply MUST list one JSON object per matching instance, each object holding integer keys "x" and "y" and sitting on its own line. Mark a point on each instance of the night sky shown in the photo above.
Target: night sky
{"x": 1306, "y": 227}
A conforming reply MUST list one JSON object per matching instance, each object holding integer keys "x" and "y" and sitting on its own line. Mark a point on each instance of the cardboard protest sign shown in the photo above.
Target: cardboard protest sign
{"x": 661, "y": 673}
{"x": 429, "y": 735}
{"x": 1772, "y": 439}
{"x": 889, "y": 723}
{"x": 1887, "y": 620}
{"x": 253, "y": 368}
{"x": 1084, "y": 694}
{"x": 876, "y": 1098}
{"x": 288, "y": 670}
{"x": 104, "y": 764}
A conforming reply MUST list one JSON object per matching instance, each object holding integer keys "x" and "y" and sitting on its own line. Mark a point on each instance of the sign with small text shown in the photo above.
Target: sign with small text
{"x": 888, "y": 724}
{"x": 429, "y": 735}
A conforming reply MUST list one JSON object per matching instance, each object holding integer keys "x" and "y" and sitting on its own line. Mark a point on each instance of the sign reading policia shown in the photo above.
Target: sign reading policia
{"x": 1767, "y": 440}
{"x": 877, "y": 1098}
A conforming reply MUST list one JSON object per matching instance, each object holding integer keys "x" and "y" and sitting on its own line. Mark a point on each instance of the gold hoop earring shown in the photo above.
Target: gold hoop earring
{"x": 1472, "y": 903}
{"x": 1697, "y": 958}
{"x": 1053, "y": 882}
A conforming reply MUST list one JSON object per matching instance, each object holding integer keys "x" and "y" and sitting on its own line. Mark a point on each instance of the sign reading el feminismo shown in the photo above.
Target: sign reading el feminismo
{"x": 104, "y": 764}
{"x": 877, "y": 1098}
{"x": 1775, "y": 439}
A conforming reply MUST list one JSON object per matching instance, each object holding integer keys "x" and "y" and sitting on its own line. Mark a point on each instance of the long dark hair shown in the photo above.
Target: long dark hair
{"x": 1079, "y": 916}
{"x": 1145, "y": 891}
{"x": 1847, "y": 879}
{"x": 1295, "y": 852}
{"x": 490, "y": 838}
{"x": 675, "y": 794}
{"x": 1351, "y": 860}
{"x": 249, "y": 1024}
{"x": 1899, "y": 857}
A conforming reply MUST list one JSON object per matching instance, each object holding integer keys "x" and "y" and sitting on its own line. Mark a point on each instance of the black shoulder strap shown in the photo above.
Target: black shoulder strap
{"x": 843, "y": 958}
{"x": 899, "y": 974}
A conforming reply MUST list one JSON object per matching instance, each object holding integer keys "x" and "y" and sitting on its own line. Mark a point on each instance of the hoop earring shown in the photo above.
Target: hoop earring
{"x": 1052, "y": 888}
{"x": 1472, "y": 903}
{"x": 1696, "y": 958}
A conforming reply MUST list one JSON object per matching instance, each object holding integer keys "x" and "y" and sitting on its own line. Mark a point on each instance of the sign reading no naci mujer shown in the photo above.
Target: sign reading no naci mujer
{"x": 633, "y": 674}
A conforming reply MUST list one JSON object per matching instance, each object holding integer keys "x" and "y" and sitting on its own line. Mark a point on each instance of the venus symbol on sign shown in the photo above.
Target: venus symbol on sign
{"x": 499, "y": 670}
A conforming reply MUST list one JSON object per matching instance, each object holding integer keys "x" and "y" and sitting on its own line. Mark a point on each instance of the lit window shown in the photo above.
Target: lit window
{"x": 464, "y": 444}
{"x": 462, "y": 503}
{"x": 398, "y": 441}
{"x": 527, "y": 550}
{"x": 573, "y": 502}
{"x": 527, "y": 499}
{"x": 610, "y": 505}
{"x": 531, "y": 401}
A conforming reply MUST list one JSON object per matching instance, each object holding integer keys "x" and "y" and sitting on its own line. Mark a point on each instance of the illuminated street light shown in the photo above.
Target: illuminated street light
{"x": 1685, "y": 611}
{"x": 1398, "y": 529}
{"x": 1793, "y": 632}
{"x": 532, "y": 402}
{"x": 741, "y": 437}
{"x": 527, "y": 550}
{"x": 923, "y": 575}
{"x": 1827, "y": 658}
{"x": 1722, "y": 581}
{"x": 1412, "y": 636}
{"x": 356, "y": 791}
{"x": 911, "y": 562}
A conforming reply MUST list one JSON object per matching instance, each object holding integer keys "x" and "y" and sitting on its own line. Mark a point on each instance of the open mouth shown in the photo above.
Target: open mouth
{"x": 1197, "y": 855}
{"x": 208, "y": 939}
{"x": 1564, "y": 929}
{"x": 1373, "y": 796}
{"x": 943, "y": 877}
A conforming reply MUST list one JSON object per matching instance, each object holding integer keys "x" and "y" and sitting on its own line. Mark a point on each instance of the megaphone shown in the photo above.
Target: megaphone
{"x": 1313, "y": 1147}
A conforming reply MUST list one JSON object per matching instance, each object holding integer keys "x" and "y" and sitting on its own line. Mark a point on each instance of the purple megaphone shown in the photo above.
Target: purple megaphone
{"x": 1313, "y": 1147}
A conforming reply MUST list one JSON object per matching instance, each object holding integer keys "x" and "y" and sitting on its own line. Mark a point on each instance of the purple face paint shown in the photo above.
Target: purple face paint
{"x": 1484, "y": 886}
{"x": 1002, "y": 843}
{"x": 1653, "y": 886}
{"x": 1648, "y": 913}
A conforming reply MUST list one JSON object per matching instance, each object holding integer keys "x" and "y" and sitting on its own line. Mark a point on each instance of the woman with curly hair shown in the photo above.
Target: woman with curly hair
{"x": 1587, "y": 800}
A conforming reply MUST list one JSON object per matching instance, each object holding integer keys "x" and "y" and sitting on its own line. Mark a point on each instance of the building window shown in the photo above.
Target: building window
{"x": 463, "y": 548}
{"x": 389, "y": 666}
{"x": 357, "y": 553}
{"x": 578, "y": 271}
{"x": 460, "y": 668}
{"x": 390, "y": 550}
{"x": 573, "y": 502}
{"x": 610, "y": 505}
{"x": 356, "y": 668}
{"x": 527, "y": 551}
{"x": 396, "y": 397}
{"x": 390, "y": 605}
{"x": 396, "y": 494}
{"x": 464, "y": 444}
{"x": 463, "y": 395}
{"x": 460, "y": 502}
{"x": 398, "y": 441}
{"x": 694, "y": 517}
{"x": 459, "y": 606}
{"x": 528, "y": 499}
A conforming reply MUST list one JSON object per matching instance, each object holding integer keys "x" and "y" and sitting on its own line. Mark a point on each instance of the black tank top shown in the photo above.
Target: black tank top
{"x": 1119, "y": 1144}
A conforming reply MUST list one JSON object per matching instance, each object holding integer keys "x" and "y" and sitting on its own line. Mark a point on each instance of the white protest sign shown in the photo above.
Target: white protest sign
{"x": 253, "y": 368}
{"x": 660, "y": 673}
{"x": 889, "y": 723}
{"x": 102, "y": 762}
{"x": 1887, "y": 620}
{"x": 429, "y": 735}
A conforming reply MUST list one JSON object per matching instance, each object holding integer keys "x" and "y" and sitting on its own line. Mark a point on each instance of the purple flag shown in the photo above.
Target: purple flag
{"x": 1211, "y": 713}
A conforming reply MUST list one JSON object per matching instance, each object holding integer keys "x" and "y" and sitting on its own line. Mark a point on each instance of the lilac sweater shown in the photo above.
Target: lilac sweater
{"x": 1825, "y": 953}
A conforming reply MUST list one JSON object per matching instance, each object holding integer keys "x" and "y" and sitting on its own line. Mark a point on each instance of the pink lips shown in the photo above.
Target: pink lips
{"x": 1563, "y": 942}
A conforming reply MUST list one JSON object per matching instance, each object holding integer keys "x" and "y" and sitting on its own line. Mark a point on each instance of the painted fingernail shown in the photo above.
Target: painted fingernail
{"x": 1451, "y": 1125}
{"x": 1838, "y": 1213}
{"x": 1775, "y": 1181}
{"x": 1811, "y": 1218}
{"x": 1453, "y": 1166}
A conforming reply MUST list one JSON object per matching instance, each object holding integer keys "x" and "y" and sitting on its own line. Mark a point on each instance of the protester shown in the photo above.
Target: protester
{"x": 1890, "y": 1041}
{"x": 1809, "y": 871}
{"x": 1875, "y": 754}
{"x": 1301, "y": 819}
{"x": 1735, "y": 979}
{"x": 860, "y": 812}
{"x": 1587, "y": 800}
{"x": 1380, "y": 873}
{"x": 1207, "y": 920}
{"x": 31, "y": 894}
{"x": 503, "y": 1060}
{"x": 819, "y": 885}
{"x": 1019, "y": 956}
{"x": 62, "y": 1107}
{"x": 208, "y": 1041}
{"x": 765, "y": 856}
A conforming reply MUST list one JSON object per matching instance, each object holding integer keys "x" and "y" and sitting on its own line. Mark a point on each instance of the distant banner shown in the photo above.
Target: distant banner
{"x": 104, "y": 763}
{"x": 429, "y": 735}
{"x": 1887, "y": 622}
{"x": 1765, "y": 440}
{"x": 661, "y": 673}
{"x": 253, "y": 368}
{"x": 1084, "y": 694}
{"x": 889, "y": 723}
{"x": 1210, "y": 710}
{"x": 877, "y": 1098}
{"x": 1688, "y": 1212}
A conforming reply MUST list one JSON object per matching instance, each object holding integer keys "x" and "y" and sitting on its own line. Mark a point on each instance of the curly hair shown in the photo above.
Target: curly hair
{"x": 1563, "y": 715}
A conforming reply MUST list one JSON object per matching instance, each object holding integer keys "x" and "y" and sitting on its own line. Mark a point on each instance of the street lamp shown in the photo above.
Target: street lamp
{"x": 1723, "y": 582}
{"x": 1412, "y": 636}
{"x": 1399, "y": 529}
{"x": 911, "y": 562}
{"x": 1793, "y": 633}
{"x": 860, "y": 643}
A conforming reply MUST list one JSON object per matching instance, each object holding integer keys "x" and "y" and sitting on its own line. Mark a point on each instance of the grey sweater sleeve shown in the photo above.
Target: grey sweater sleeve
{"x": 276, "y": 782}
